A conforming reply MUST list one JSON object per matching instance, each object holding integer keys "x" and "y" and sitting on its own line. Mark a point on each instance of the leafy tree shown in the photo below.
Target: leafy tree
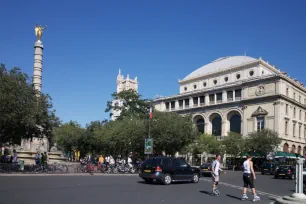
{"x": 263, "y": 141}
{"x": 171, "y": 132}
{"x": 69, "y": 136}
{"x": 121, "y": 136}
{"x": 234, "y": 144}
{"x": 209, "y": 144}
{"x": 23, "y": 114}
{"x": 133, "y": 105}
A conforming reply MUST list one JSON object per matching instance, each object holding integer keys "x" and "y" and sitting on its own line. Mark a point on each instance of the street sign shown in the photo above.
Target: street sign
{"x": 148, "y": 146}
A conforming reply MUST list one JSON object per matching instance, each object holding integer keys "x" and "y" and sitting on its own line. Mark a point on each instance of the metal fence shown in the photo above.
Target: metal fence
{"x": 59, "y": 168}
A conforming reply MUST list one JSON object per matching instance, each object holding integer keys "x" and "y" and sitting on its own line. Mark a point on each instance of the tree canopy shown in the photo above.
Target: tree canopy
{"x": 234, "y": 144}
{"x": 132, "y": 104}
{"x": 23, "y": 114}
{"x": 263, "y": 141}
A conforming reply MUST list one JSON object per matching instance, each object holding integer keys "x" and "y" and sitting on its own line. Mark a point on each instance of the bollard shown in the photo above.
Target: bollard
{"x": 298, "y": 197}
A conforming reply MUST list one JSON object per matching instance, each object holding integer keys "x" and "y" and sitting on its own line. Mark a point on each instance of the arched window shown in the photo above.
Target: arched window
{"x": 293, "y": 150}
{"x": 286, "y": 148}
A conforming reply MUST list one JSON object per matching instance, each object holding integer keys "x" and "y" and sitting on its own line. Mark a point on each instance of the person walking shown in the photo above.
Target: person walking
{"x": 215, "y": 169}
{"x": 248, "y": 179}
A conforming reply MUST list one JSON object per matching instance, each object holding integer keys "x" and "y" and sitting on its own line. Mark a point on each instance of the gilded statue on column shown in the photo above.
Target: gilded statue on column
{"x": 39, "y": 31}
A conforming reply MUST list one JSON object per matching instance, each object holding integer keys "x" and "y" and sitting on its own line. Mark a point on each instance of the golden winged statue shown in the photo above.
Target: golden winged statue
{"x": 39, "y": 31}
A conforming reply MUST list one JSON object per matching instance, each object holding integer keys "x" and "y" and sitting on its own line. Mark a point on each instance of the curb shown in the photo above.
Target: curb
{"x": 69, "y": 174}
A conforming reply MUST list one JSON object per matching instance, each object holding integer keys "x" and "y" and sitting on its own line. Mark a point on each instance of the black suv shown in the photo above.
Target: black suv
{"x": 268, "y": 168}
{"x": 285, "y": 171}
{"x": 168, "y": 170}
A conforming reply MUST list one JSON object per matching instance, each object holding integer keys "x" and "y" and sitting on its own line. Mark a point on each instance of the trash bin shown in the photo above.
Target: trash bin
{"x": 21, "y": 162}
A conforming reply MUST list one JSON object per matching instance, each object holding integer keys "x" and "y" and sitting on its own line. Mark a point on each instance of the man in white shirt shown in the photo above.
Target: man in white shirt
{"x": 215, "y": 168}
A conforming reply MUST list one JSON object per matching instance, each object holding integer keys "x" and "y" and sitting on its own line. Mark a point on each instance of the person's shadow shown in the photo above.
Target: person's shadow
{"x": 205, "y": 192}
{"x": 234, "y": 197}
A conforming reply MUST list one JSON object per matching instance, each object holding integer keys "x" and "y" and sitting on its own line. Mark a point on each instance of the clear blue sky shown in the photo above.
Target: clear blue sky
{"x": 158, "y": 41}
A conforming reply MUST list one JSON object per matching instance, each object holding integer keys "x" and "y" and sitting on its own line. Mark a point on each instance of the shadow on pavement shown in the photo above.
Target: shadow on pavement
{"x": 205, "y": 192}
{"x": 235, "y": 197}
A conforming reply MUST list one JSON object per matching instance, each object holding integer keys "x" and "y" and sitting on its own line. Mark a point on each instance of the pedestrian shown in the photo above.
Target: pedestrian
{"x": 45, "y": 162}
{"x": 37, "y": 159}
{"x": 15, "y": 157}
{"x": 248, "y": 179}
{"x": 215, "y": 174}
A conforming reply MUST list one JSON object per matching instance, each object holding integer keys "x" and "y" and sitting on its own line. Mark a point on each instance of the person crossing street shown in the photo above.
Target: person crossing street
{"x": 248, "y": 179}
{"x": 215, "y": 174}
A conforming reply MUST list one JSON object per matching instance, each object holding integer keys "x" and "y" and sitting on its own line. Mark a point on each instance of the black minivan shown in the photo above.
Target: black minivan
{"x": 168, "y": 170}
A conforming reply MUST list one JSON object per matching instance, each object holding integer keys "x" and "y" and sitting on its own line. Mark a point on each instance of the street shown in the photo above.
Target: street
{"x": 132, "y": 190}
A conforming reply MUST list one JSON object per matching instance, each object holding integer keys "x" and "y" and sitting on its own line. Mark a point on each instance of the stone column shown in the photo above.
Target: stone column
{"x": 206, "y": 99}
{"x": 199, "y": 101}
{"x": 183, "y": 103}
{"x": 234, "y": 95}
{"x": 224, "y": 96}
{"x": 224, "y": 127}
{"x": 176, "y": 104}
{"x": 215, "y": 98}
{"x": 38, "y": 55}
{"x": 190, "y": 102}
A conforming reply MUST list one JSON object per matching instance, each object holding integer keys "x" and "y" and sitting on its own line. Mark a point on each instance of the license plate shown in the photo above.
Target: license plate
{"x": 147, "y": 171}
{"x": 205, "y": 169}
{"x": 266, "y": 169}
{"x": 281, "y": 174}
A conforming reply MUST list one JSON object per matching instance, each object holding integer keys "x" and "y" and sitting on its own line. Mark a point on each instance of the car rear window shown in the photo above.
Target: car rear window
{"x": 152, "y": 162}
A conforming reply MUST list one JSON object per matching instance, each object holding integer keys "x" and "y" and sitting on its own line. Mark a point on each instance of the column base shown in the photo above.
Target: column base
{"x": 296, "y": 198}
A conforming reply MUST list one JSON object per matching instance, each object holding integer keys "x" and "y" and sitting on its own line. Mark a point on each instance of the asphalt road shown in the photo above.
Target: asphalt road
{"x": 131, "y": 190}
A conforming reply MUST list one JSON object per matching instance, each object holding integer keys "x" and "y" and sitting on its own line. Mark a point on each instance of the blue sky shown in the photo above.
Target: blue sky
{"x": 158, "y": 41}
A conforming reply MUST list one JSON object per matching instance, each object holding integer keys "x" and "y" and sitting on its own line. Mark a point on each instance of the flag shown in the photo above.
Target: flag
{"x": 150, "y": 112}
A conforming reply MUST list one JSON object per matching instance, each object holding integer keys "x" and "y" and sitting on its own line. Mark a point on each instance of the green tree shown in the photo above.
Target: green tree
{"x": 171, "y": 132}
{"x": 69, "y": 136}
{"x": 121, "y": 136}
{"x": 234, "y": 144}
{"x": 209, "y": 144}
{"x": 23, "y": 114}
{"x": 133, "y": 105}
{"x": 263, "y": 141}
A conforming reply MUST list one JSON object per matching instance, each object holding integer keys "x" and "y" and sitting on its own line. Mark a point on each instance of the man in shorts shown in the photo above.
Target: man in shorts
{"x": 248, "y": 179}
{"x": 215, "y": 168}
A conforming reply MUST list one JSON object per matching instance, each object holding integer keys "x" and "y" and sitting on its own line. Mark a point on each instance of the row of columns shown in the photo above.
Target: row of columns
{"x": 206, "y": 100}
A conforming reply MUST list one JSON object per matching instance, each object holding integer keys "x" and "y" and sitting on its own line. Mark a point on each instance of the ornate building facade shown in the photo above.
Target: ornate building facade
{"x": 122, "y": 85}
{"x": 242, "y": 94}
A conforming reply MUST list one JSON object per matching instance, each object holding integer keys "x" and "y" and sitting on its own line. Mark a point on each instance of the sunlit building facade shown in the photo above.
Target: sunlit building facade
{"x": 242, "y": 94}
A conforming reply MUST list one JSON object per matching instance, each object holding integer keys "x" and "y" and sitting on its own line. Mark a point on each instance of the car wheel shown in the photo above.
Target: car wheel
{"x": 276, "y": 177}
{"x": 262, "y": 173}
{"x": 195, "y": 178}
{"x": 167, "y": 179}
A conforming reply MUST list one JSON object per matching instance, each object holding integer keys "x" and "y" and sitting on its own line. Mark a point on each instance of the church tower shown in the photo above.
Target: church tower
{"x": 123, "y": 84}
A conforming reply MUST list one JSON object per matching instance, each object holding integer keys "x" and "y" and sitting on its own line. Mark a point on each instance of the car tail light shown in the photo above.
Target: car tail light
{"x": 289, "y": 171}
{"x": 158, "y": 169}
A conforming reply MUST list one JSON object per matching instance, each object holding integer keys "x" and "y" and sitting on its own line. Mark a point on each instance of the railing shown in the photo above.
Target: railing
{"x": 186, "y": 106}
{"x": 64, "y": 168}
{"x": 229, "y": 99}
{"x": 211, "y": 102}
{"x": 202, "y": 104}
{"x": 237, "y": 98}
{"x": 219, "y": 101}
{"x": 195, "y": 105}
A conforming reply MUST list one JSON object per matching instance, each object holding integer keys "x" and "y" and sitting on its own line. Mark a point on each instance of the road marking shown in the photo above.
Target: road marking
{"x": 240, "y": 188}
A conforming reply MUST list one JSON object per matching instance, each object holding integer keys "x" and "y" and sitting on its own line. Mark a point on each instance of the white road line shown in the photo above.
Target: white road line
{"x": 240, "y": 188}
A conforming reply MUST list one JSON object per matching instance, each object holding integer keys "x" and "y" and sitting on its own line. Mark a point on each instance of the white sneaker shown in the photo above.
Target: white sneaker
{"x": 256, "y": 198}
{"x": 244, "y": 197}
